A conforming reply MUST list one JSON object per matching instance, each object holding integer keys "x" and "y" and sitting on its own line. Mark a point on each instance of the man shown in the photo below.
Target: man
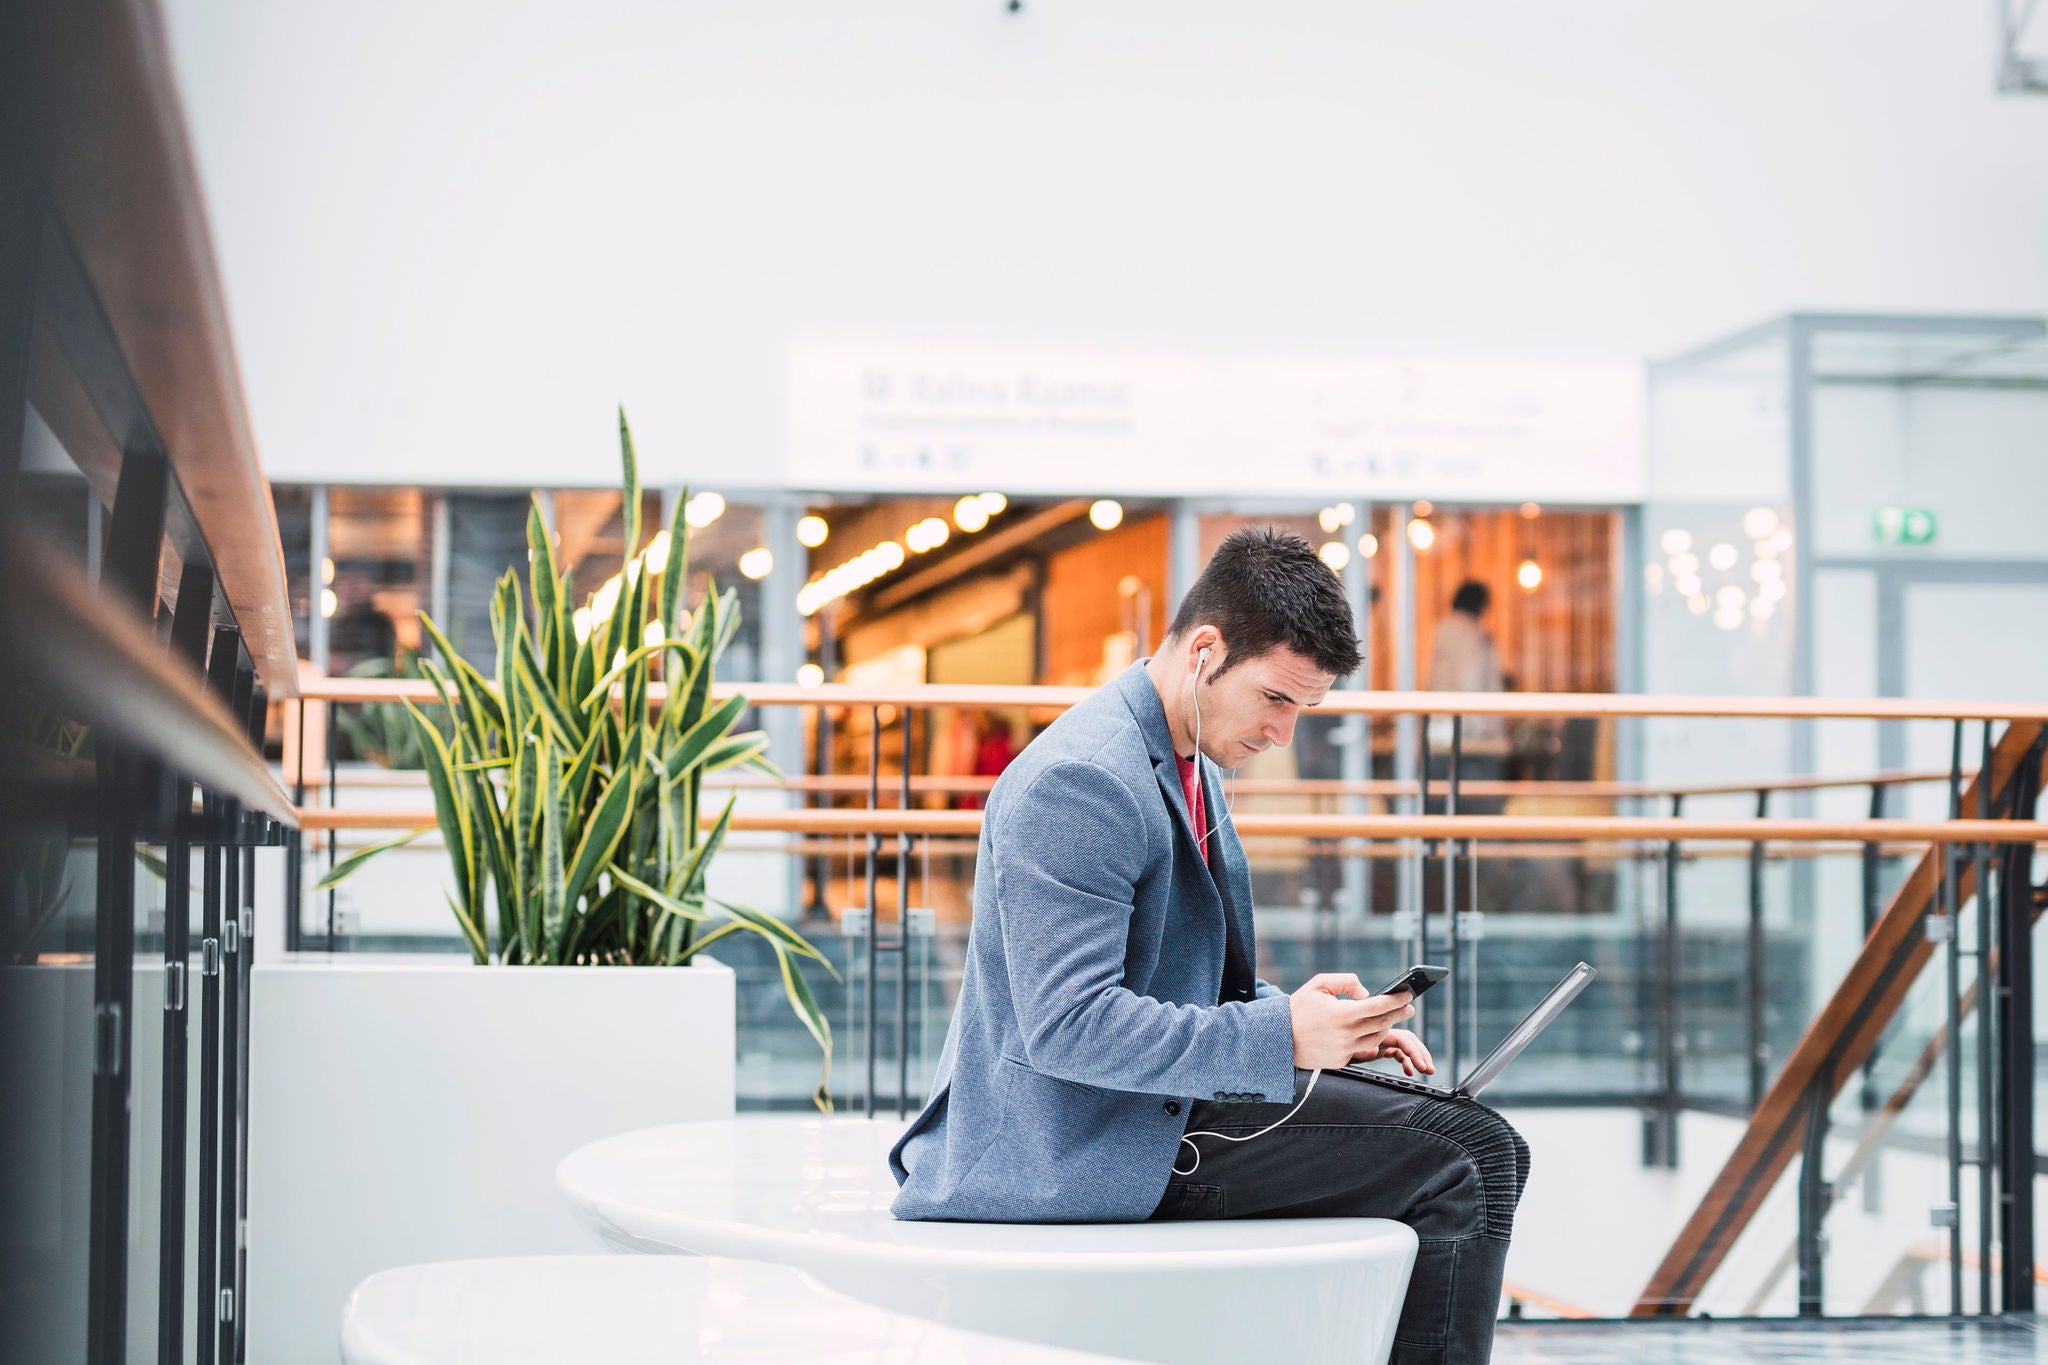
{"x": 1464, "y": 658}
{"x": 1111, "y": 1038}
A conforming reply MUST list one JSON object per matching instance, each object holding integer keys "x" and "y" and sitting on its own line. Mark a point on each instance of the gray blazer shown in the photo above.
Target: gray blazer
{"x": 1088, "y": 1015}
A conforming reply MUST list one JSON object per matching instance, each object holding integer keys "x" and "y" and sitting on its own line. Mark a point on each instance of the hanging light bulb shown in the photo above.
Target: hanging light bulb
{"x": 1759, "y": 522}
{"x": 1529, "y": 575}
{"x": 1368, "y": 545}
{"x": 1107, "y": 514}
{"x": 809, "y": 675}
{"x": 1328, "y": 520}
{"x": 1676, "y": 541}
{"x": 328, "y": 602}
{"x": 1722, "y": 556}
{"x": 969, "y": 514}
{"x": 1421, "y": 534}
{"x": 758, "y": 562}
{"x": 811, "y": 531}
{"x": 994, "y": 503}
{"x": 1336, "y": 554}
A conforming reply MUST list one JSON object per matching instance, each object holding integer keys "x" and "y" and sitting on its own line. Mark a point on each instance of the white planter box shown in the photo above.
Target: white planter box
{"x": 413, "y": 1109}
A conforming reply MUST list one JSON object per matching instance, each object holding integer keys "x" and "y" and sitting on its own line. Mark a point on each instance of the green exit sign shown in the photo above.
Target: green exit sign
{"x": 1904, "y": 525}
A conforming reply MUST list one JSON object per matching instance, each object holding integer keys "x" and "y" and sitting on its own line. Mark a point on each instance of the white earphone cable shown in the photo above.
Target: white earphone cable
{"x": 1188, "y": 1139}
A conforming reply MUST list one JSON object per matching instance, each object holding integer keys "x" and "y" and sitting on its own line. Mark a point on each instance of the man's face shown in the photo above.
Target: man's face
{"x": 1252, "y": 707}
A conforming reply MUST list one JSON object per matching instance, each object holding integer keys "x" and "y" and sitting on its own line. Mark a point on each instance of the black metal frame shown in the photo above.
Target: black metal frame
{"x": 138, "y": 801}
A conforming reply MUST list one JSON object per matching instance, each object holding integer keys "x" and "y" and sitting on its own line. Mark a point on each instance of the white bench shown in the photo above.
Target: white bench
{"x": 620, "y": 1310}
{"x": 814, "y": 1194}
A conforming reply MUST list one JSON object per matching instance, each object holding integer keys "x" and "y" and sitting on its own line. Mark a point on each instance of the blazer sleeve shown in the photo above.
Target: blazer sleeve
{"x": 1068, "y": 857}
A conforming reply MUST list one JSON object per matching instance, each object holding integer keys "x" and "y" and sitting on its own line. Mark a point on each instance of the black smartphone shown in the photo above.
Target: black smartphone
{"x": 1415, "y": 980}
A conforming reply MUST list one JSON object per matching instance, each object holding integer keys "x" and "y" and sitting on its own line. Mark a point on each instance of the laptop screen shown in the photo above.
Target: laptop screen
{"x": 1525, "y": 1032}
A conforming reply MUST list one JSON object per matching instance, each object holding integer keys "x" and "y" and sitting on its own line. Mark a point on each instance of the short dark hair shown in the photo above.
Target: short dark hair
{"x": 1472, "y": 598}
{"x": 1265, "y": 588}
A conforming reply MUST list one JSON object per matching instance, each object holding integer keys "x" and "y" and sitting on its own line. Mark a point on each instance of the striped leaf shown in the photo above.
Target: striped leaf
{"x": 352, "y": 864}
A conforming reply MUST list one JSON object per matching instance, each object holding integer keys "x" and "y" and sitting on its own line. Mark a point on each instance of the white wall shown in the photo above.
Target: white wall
{"x": 455, "y": 234}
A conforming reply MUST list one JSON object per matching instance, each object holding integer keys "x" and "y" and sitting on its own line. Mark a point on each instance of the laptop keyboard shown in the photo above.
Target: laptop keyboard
{"x": 1399, "y": 1082}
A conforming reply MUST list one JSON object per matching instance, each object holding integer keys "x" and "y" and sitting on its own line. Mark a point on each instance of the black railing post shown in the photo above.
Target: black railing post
{"x": 1873, "y": 868}
{"x": 903, "y": 934}
{"x": 871, "y": 950}
{"x": 2016, "y": 1046}
{"x": 1952, "y": 911}
{"x": 1450, "y": 847}
{"x": 222, "y": 666}
{"x": 1987, "y": 1015}
{"x": 1759, "y": 1049}
{"x": 1814, "y": 1194}
{"x": 1664, "y": 1148}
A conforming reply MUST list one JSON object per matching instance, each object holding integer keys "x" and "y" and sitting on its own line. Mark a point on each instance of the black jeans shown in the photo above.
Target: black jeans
{"x": 1451, "y": 1169}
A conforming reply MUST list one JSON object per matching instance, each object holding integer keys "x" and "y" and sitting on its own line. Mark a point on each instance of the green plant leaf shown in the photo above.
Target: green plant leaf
{"x": 451, "y": 812}
{"x": 675, "y": 574}
{"x": 689, "y": 910}
{"x": 629, "y": 485}
{"x": 480, "y": 705}
{"x": 688, "y": 751}
{"x": 553, "y": 899}
{"x": 551, "y": 610}
{"x": 594, "y": 695}
{"x": 775, "y": 931}
{"x": 354, "y": 862}
{"x": 478, "y": 951}
{"x": 735, "y": 749}
{"x": 690, "y": 879}
{"x": 533, "y": 679}
{"x": 605, "y": 827}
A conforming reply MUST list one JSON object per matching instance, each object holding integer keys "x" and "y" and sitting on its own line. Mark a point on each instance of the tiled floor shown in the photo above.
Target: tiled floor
{"x": 1872, "y": 1342}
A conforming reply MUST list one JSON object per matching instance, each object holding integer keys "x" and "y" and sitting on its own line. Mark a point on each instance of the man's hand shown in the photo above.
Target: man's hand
{"x": 1405, "y": 1048}
{"x": 1335, "y": 1020}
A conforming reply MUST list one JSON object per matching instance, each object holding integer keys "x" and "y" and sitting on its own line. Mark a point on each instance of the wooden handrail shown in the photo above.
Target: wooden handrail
{"x": 1484, "y": 828}
{"x": 1841, "y": 1036}
{"x": 1508, "y": 704}
{"x": 113, "y": 156}
{"x": 62, "y": 640}
{"x": 922, "y": 785}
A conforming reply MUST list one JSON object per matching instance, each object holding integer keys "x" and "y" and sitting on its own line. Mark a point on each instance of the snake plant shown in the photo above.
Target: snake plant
{"x": 564, "y": 789}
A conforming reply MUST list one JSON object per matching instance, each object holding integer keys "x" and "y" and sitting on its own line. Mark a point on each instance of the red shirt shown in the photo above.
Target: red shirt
{"x": 1191, "y": 788}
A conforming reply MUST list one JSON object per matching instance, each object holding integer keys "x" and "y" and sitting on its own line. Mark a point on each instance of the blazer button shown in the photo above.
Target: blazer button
{"x": 1172, "y": 1107}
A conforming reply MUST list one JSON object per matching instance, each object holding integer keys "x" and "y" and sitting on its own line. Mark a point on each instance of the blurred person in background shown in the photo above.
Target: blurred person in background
{"x": 1464, "y": 658}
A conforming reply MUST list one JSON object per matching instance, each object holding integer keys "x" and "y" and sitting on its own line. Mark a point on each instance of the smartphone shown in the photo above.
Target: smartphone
{"x": 1415, "y": 980}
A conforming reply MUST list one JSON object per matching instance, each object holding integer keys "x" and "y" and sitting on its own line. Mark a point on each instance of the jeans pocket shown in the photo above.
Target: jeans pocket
{"x": 1190, "y": 1204}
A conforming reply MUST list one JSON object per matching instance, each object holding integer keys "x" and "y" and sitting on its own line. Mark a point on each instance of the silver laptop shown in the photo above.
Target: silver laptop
{"x": 1493, "y": 1063}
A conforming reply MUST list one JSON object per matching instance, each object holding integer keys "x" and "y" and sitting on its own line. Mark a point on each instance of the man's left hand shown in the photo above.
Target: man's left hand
{"x": 1407, "y": 1049}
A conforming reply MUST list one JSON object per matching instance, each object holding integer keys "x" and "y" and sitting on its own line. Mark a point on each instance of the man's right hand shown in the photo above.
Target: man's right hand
{"x": 1335, "y": 1020}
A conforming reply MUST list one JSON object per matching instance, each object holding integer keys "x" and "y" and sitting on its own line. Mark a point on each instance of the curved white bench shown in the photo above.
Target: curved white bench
{"x": 814, "y": 1194}
{"x": 619, "y": 1310}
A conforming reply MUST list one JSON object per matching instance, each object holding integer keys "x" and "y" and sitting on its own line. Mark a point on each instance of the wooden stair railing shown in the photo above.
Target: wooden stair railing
{"x": 1841, "y": 1037}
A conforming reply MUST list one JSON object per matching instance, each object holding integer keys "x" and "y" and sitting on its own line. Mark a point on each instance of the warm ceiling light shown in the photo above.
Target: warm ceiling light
{"x": 757, "y": 563}
{"x": 811, "y": 531}
{"x": 1688, "y": 584}
{"x": 1368, "y": 545}
{"x": 1780, "y": 541}
{"x": 328, "y": 602}
{"x": 928, "y": 534}
{"x": 1762, "y": 608}
{"x": 1685, "y": 565}
{"x": 652, "y": 635}
{"x": 969, "y": 514}
{"x": 1766, "y": 569}
{"x": 1129, "y": 585}
{"x": 1731, "y": 596}
{"x": 1529, "y": 575}
{"x": 1653, "y": 577}
{"x": 1421, "y": 534}
{"x": 1532, "y": 510}
{"x": 327, "y": 571}
{"x": 1336, "y": 554}
{"x": 1329, "y": 521}
{"x": 994, "y": 503}
{"x": 1423, "y": 507}
{"x": 703, "y": 509}
{"x": 1728, "y": 618}
{"x": 1676, "y": 541}
{"x": 1722, "y": 556}
{"x": 1107, "y": 514}
{"x": 809, "y": 675}
{"x": 1759, "y": 522}
{"x": 1698, "y": 603}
